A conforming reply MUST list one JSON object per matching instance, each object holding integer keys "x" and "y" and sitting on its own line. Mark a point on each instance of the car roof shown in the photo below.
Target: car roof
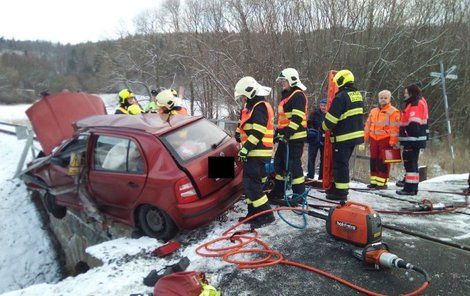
{"x": 152, "y": 123}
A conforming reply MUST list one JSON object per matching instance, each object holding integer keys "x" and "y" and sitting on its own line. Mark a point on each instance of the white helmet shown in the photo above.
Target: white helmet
{"x": 166, "y": 98}
{"x": 292, "y": 76}
{"x": 249, "y": 87}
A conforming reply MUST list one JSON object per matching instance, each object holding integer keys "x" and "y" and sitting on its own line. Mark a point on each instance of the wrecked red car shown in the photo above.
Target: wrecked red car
{"x": 142, "y": 170}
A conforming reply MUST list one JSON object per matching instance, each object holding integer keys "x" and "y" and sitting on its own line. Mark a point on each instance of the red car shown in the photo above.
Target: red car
{"x": 142, "y": 170}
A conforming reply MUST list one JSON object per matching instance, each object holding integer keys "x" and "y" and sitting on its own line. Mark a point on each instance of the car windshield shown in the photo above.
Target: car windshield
{"x": 195, "y": 139}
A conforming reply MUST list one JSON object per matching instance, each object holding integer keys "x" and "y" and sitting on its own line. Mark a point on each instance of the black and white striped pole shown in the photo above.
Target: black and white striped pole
{"x": 441, "y": 77}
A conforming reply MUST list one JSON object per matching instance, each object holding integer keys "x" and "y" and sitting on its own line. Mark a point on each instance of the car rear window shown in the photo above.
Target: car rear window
{"x": 195, "y": 139}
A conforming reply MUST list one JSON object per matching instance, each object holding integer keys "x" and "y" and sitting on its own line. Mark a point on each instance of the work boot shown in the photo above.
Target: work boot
{"x": 283, "y": 203}
{"x": 249, "y": 214}
{"x": 262, "y": 220}
{"x": 341, "y": 195}
{"x": 275, "y": 198}
{"x": 372, "y": 186}
{"x": 403, "y": 192}
{"x": 400, "y": 183}
{"x": 330, "y": 190}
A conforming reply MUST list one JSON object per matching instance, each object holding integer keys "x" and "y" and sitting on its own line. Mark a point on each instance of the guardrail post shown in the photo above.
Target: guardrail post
{"x": 23, "y": 132}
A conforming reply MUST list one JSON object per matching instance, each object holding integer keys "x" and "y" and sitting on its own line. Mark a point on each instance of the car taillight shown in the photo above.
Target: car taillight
{"x": 185, "y": 192}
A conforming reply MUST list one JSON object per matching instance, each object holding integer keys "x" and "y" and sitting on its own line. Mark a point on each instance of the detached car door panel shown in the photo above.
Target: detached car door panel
{"x": 117, "y": 174}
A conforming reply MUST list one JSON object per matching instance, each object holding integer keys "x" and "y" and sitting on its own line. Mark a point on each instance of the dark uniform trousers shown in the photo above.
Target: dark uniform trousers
{"x": 410, "y": 161}
{"x": 296, "y": 149}
{"x": 341, "y": 156}
{"x": 254, "y": 174}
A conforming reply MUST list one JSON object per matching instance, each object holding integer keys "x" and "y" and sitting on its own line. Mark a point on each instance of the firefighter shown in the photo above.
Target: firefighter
{"x": 292, "y": 133}
{"x": 127, "y": 103}
{"x": 344, "y": 120}
{"x": 413, "y": 136}
{"x": 256, "y": 130}
{"x": 381, "y": 132}
{"x": 166, "y": 102}
{"x": 152, "y": 105}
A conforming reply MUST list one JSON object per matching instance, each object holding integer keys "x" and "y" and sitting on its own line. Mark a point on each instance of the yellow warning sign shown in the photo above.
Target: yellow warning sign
{"x": 74, "y": 165}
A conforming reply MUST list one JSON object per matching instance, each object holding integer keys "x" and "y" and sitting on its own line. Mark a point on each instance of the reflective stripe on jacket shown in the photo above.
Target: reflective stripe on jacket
{"x": 383, "y": 123}
{"x": 292, "y": 115}
{"x": 344, "y": 118}
{"x": 414, "y": 123}
{"x": 257, "y": 131}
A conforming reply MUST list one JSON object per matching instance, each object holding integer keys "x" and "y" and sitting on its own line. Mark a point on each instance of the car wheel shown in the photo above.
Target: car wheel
{"x": 156, "y": 223}
{"x": 57, "y": 211}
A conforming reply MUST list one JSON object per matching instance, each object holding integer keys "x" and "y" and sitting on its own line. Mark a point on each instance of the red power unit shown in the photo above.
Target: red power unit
{"x": 355, "y": 223}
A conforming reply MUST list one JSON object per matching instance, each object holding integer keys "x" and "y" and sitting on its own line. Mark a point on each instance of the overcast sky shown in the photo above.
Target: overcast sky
{"x": 69, "y": 21}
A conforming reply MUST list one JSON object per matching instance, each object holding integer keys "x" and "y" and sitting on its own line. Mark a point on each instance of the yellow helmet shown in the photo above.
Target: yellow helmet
{"x": 166, "y": 99}
{"x": 343, "y": 77}
{"x": 125, "y": 94}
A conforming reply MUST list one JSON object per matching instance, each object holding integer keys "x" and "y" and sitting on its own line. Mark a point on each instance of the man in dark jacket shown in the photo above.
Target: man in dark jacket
{"x": 315, "y": 139}
{"x": 344, "y": 119}
{"x": 256, "y": 133}
{"x": 292, "y": 132}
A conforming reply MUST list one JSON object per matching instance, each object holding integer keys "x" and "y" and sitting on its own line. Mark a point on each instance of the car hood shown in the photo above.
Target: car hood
{"x": 52, "y": 116}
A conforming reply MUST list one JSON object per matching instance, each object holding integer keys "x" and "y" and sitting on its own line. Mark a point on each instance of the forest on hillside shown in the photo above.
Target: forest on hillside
{"x": 206, "y": 46}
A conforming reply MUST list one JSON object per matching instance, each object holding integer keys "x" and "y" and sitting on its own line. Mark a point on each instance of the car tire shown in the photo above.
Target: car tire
{"x": 53, "y": 208}
{"x": 156, "y": 223}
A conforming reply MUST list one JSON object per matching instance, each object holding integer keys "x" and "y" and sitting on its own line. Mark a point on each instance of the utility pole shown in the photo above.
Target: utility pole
{"x": 441, "y": 77}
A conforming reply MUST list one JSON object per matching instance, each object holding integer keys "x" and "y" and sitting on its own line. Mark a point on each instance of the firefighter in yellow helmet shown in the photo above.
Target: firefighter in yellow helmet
{"x": 345, "y": 121}
{"x": 256, "y": 128}
{"x": 127, "y": 103}
{"x": 167, "y": 103}
{"x": 292, "y": 130}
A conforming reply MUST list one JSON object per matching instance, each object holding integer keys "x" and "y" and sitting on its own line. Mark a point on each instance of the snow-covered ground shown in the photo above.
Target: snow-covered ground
{"x": 26, "y": 254}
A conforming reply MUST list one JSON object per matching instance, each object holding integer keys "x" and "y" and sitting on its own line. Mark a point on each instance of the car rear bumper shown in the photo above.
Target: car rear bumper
{"x": 209, "y": 208}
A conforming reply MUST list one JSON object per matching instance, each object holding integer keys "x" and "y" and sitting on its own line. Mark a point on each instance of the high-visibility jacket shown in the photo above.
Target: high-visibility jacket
{"x": 176, "y": 110}
{"x": 257, "y": 128}
{"x": 414, "y": 123}
{"x": 344, "y": 118}
{"x": 129, "y": 110}
{"x": 292, "y": 115}
{"x": 383, "y": 123}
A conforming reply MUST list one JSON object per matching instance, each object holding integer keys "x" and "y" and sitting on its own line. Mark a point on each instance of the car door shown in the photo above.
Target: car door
{"x": 118, "y": 173}
{"x": 62, "y": 185}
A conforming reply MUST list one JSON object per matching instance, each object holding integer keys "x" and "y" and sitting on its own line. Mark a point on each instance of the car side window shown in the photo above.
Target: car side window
{"x": 117, "y": 155}
{"x": 77, "y": 145}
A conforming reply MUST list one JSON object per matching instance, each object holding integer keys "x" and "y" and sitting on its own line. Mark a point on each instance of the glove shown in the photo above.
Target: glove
{"x": 280, "y": 138}
{"x": 243, "y": 154}
{"x": 237, "y": 137}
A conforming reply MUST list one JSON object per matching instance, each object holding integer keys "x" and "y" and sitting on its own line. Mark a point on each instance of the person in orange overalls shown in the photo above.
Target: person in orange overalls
{"x": 381, "y": 132}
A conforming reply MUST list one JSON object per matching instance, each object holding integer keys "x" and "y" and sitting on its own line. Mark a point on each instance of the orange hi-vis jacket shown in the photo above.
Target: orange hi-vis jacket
{"x": 174, "y": 111}
{"x": 255, "y": 136}
{"x": 383, "y": 123}
{"x": 292, "y": 115}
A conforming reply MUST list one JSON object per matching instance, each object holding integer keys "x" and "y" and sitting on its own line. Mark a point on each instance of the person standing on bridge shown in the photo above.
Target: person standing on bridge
{"x": 381, "y": 132}
{"x": 413, "y": 136}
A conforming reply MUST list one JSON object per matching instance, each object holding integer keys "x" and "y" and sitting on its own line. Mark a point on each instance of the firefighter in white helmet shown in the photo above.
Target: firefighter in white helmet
{"x": 166, "y": 102}
{"x": 292, "y": 131}
{"x": 256, "y": 129}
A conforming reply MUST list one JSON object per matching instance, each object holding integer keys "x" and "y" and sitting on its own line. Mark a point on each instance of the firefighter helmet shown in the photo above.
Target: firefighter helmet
{"x": 249, "y": 87}
{"x": 124, "y": 95}
{"x": 292, "y": 76}
{"x": 343, "y": 77}
{"x": 166, "y": 99}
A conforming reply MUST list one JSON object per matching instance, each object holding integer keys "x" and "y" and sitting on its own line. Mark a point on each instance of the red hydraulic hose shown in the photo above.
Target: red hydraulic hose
{"x": 245, "y": 237}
